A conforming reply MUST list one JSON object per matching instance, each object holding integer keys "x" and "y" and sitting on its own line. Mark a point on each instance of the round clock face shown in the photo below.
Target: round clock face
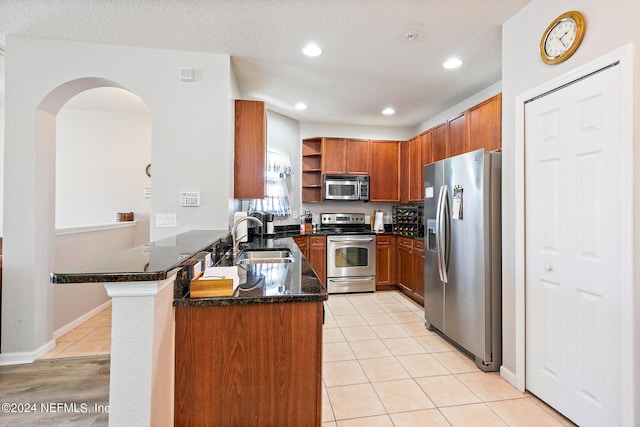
{"x": 562, "y": 38}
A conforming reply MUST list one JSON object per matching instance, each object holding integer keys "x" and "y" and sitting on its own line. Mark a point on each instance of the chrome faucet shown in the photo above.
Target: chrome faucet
{"x": 234, "y": 229}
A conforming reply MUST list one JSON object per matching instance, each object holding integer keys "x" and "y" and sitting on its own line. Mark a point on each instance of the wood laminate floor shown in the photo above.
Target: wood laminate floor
{"x": 71, "y": 391}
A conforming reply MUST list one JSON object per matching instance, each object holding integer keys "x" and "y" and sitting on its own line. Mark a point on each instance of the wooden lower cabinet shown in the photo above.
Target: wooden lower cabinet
{"x": 405, "y": 265}
{"x": 314, "y": 249}
{"x": 303, "y": 245}
{"x": 386, "y": 263}
{"x": 411, "y": 268}
{"x": 418, "y": 265}
{"x": 318, "y": 256}
{"x": 249, "y": 365}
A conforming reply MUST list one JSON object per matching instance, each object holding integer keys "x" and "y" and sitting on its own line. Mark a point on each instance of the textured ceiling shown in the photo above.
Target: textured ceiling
{"x": 368, "y": 63}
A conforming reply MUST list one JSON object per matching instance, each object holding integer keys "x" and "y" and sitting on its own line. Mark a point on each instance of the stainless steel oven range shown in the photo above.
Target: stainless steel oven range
{"x": 351, "y": 253}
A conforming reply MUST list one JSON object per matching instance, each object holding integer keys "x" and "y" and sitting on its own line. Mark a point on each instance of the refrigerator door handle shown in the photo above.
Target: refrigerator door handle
{"x": 439, "y": 232}
{"x": 445, "y": 234}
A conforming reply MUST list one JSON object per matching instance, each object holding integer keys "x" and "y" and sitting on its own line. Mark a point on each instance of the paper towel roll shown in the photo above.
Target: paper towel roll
{"x": 241, "y": 231}
{"x": 379, "y": 222}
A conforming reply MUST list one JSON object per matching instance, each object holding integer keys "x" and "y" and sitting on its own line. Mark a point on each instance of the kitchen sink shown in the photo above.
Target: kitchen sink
{"x": 264, "y": 256}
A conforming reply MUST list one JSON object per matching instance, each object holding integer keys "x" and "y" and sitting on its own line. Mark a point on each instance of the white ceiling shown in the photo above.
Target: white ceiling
{"x": 367, "y": 64}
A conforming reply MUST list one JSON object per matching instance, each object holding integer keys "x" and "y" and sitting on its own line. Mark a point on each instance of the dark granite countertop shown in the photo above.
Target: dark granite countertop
{"x": 270, "y": 282}
{"x": 148, "y": 262}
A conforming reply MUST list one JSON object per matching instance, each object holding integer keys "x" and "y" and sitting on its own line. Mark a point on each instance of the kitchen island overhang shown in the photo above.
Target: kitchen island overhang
{"x": 142, "y": 283}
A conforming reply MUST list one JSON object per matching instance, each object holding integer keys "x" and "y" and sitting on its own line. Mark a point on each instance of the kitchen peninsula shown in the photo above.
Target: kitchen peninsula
{"x": 250, "y": 359}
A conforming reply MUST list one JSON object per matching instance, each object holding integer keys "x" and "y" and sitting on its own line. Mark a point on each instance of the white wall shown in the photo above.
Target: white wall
{"x": 101, "y": 158}
{"x": 609, "y": 25}
{"x": 75, "y": 246}
{"x": 2, "y": 108}
{"x": 311, "y": 129}
{"x": 462, "y": 106}
{"x": 283, "y": 135}
{"x": 190, "y": 122}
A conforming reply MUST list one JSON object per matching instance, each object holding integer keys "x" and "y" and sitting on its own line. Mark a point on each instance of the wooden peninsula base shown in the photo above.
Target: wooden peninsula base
{"x": 249, "y": 365}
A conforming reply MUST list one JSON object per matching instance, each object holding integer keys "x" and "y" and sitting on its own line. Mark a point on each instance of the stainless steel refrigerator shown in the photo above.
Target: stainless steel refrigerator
{"x": 462, "y": 262}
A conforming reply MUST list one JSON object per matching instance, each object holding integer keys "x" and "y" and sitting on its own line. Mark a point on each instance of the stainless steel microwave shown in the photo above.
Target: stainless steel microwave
{"x": 346, "y": 187}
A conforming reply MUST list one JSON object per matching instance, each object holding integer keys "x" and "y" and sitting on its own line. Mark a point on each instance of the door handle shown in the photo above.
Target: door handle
{"x": 353, "y": 279}
{"x": 439, "y": 219}
{"x": 352, "y": 240}
{"x": 446, "y": 218}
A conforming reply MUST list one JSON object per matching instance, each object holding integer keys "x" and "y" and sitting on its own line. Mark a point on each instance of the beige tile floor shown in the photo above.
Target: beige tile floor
{"x": 91, "y": 338}
{"x": 382, "y": 367}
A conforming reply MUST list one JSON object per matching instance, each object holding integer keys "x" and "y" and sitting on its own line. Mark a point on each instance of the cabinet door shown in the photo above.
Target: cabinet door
{"x": 415, "y": 169}
{"x": 427, "y": 156}
{"x": 267, "y": 354}
{"x": 250, "y": 150}
{"x": 385, "y": 262}
{"x": 458, "y": 135}
{"x": 318, "y": 256}
{"x": 418, "y": 271}
{"x": 358, "y": 156}
{"x": 439, "y": 142}
{"x": 384, "y": 167}
{"x": 485, "y": 124}
{"x": 405, "y": 269}
{"x": 334, "y": 156}
{"x": 303, "y": 245}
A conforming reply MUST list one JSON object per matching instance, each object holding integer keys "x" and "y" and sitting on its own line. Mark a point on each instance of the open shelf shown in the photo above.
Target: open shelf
{"x": 312, "y": 170}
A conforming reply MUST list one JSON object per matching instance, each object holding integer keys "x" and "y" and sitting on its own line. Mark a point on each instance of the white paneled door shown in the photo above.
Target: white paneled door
{"x": 573, "y": 234}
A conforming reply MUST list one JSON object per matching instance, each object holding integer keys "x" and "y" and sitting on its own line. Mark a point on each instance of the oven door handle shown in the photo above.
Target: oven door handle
{"x": 350, "y": 239}
{"x": 352, "y": 279}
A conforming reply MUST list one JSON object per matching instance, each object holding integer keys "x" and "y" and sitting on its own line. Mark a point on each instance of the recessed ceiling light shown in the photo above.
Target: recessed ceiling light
{"x": 452, "y": 63}
{"x": 388, "y": 111}
{"x": 312, "y": 50}
{"x": 300, "y": 106}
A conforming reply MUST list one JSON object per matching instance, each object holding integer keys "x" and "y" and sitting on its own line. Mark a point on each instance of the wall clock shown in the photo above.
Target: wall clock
{"x": 562, "y": 37}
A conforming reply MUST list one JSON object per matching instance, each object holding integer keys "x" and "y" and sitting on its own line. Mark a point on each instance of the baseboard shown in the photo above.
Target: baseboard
{"x": 80, "y": 320}
{"x": 20, "y": 358}
{"x": 509, "y": 376}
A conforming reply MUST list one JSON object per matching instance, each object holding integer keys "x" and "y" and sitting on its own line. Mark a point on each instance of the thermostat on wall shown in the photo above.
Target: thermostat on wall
{"x": 189, "y": 198}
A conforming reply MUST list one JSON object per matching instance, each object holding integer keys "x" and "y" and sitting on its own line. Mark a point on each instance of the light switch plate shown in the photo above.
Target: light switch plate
{"x": 166, "y": 220}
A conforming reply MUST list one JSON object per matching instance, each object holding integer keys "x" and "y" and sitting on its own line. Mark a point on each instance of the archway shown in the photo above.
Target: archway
{"x": 103, "y": 146}
{"x": 27, "y": 338}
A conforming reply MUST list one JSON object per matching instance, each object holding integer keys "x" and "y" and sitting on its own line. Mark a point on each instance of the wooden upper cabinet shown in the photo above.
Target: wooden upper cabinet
{"x": 458, "y": 135}
{"x": 485, "y": 124}
{"x": 334, "y": 155}
{"x": 250, "y": 150}
{"x": 426, "y": 143}
{"x": 439, "y": 136}
{"x": 419, "y": 153}
{"x": 384, "y": 167}
{"x": 358, "y": 156}
{"x": 345, "y": 156}
{"x": 415, "y": 172}
{"x": 404, "y": 172}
